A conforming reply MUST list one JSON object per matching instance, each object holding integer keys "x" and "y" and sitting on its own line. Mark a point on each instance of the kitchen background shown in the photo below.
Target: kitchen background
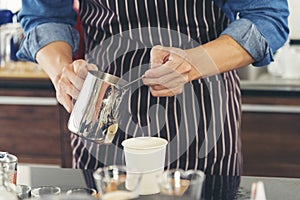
{"x": 33, "y": 124}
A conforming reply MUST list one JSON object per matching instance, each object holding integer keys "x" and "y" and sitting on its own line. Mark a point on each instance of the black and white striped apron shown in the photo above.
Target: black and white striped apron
{"x": 202, "y": 124}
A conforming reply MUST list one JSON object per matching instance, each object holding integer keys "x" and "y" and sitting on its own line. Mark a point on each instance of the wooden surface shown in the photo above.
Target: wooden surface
{"x": 31, "y": 132}
{"x": 65, "y": 138}
{"x": 36, "y": 134}
{"x": 22, "y": 70}
{"x": 271, "y": 141}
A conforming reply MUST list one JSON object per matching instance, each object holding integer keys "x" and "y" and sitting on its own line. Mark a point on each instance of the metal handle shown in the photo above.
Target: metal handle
{"x": 20, "y": 100}
{"x": 270, "y": 108}
{"x": 130, "y": 83}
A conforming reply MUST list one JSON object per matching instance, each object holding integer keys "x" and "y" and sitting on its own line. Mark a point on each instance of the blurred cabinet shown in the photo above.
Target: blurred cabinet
{"x": 34, "y": 127}
{"x": 30, "y": 121}
{"x": 271, "y": 133}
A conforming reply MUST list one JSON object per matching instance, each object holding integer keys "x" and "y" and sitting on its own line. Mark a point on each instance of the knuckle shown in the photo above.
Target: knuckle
{"x": 153, "y": 92}
{"x": 60, "y": 82}
{"x": 77, "y": 64}
{"x": 59, "y": 98}
{"x": 92, "y": 67}
{"x": 185, "y": 78}
{"x": 187, "y": 66}
{"x": 177, "y": 90}
{"x": 64, "y": 70}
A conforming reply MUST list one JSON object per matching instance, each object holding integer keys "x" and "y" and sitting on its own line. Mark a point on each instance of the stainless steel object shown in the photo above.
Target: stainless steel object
{"x": 263, "y": 108}
{"x": 11, "y": 35}
{"x": 96, "y": 110}
{"x": 250, "y": 72}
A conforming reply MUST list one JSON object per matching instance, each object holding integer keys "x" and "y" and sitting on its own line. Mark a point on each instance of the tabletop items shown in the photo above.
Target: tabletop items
{"x": 8, "y": 166}
{"x": 11, "y": 36}
{"x": 142, "y": 176}
{"x": 8, "y": 172}
{"x": 45, "y": 190}
{"x": 24, "y": 192}
{"x": 213, "y": 187}
{"x": 146, "y": 155}
{"x": 258, "y": 191}
{"x": 126, "y": 182}
{"x": 115, "y": 182}
{"x": 95, "y": 113}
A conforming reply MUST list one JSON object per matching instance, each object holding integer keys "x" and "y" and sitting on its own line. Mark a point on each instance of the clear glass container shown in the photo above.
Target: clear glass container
{"x": 7, "y": 189}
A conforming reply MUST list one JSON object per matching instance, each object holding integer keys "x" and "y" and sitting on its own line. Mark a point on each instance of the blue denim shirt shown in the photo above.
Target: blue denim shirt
{"x": 259, "y": 26}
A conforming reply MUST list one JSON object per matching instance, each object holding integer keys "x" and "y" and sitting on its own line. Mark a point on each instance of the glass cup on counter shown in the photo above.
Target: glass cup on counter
{"x": 180, "y": 183}
{"x": 45, "y": 191}
{"x": 8, "y": 165}
{"x": 11, "y": 35}
{"x": 67, "y": 197}
{"x": 87, "y": 191}
{"x": 111, "y": 183}
{"x": 23, "y": 191}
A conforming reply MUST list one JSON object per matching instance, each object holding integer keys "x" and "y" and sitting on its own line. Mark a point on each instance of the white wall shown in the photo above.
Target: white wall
{"x": 13, "y": 5}
{"x": 294, "y": 19}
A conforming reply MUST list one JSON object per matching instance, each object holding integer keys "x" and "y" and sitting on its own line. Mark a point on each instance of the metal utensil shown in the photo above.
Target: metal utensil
{"x": 96, "y": 110}
{"x": 134, "y": 81}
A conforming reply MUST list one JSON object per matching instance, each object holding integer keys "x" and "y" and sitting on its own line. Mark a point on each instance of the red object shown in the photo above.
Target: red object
{"x": 80, "y": 52}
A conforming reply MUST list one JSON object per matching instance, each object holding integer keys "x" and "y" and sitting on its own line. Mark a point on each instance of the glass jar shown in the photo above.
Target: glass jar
{"x": 7, "y": 189}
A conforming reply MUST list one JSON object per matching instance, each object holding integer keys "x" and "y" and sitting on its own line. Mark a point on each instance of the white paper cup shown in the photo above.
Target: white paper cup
{"x": 145, "y": 155}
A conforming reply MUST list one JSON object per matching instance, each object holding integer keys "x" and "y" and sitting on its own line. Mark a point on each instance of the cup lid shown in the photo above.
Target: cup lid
{"x": 144, "y": 143}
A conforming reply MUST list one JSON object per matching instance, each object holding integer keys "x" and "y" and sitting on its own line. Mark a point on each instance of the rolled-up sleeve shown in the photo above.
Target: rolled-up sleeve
{"x": 43, "y": 34}
{"x": 44, "y": 22}
{"x": 261, "y": 27}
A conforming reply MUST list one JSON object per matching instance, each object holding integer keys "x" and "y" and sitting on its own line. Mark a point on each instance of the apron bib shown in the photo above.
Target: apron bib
{"x": 202, "y": 124}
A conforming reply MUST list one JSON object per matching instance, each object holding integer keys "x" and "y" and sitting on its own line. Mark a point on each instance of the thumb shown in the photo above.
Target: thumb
{"x": 158, "y": 56}
{"x": 79, "y": 64}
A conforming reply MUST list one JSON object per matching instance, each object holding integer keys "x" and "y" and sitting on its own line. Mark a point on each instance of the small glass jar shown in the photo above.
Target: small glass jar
{"x": 7, "y": 189}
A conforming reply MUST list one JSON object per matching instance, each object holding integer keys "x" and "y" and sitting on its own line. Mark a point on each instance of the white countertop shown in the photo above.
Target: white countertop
{"x": 266, "y": 81}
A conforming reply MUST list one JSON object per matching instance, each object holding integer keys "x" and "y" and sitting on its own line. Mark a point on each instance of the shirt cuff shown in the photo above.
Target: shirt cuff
{"x": 244, "y": 32}
{"x": 44, "y": 34}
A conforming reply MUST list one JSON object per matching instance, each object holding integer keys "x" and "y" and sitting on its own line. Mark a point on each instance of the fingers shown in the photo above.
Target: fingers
{"x": 170, "y": 73}
{"x": 158, "y": 56}
{"x": 166, "y": 92}
{"x": 79, "y": 73}
{"x": 170, "y": 68}
{"x": 81, "y": 68}
{"x": 69, "y": 83}
{"x": 62, "y": 96}
{"x": 169, "y": 86}
{"x": 170, "y": 80}
{"x": 70, "y": 76}
{"x": 92, "y": 67}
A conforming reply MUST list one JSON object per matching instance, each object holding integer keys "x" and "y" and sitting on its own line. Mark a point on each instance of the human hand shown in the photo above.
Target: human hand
{"x": 69, "y": 82}
{"x": 169, "y": 71}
